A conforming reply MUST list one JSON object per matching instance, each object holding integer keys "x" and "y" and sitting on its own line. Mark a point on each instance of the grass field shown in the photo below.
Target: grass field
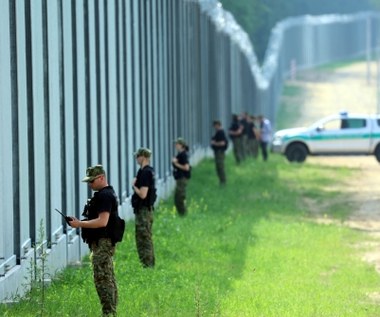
{"x": 248, "y": 249}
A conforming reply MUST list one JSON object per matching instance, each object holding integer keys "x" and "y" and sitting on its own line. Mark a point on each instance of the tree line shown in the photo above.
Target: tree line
{"x": 258, "y": 17}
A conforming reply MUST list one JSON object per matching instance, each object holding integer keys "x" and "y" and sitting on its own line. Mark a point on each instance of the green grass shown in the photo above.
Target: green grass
{"x": 247, "y": 249}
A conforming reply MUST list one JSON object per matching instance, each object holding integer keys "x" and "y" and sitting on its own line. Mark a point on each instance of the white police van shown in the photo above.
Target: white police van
{"x": 339, "y": 134}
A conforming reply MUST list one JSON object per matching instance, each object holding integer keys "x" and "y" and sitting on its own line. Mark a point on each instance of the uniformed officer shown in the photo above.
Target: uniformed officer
{"x": 181, "y": 174}
{"x": 142, "y": 202}
{"x": 99, "y": 211}
{"x": 219, "y": 144}
{"x": 265, "y": 136}
{"x": 236, "y": 134}
{"x": 253, "y": 144}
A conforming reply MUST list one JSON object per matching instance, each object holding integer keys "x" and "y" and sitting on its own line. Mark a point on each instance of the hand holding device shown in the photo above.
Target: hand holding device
{"x": 67, "y": 218}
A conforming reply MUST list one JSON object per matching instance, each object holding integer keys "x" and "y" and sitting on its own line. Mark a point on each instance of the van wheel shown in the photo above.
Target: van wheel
{"x": 296, "y": 153}
{"x": 377, "y": 153}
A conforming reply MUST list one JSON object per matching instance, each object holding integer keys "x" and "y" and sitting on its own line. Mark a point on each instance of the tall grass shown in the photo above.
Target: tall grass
{"x": 246, "y": 249}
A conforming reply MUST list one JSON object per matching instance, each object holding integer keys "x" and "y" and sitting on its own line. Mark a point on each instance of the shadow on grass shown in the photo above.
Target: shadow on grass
{"x": 201, "y": 255}
{"x": 198, "y": 257}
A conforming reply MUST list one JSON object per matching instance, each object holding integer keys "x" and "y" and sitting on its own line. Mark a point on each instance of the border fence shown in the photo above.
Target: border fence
{"x": 88, "y": 81}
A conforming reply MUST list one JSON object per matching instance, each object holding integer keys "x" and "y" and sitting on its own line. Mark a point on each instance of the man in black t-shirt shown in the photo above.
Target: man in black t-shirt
{"x": 99, "y": 212}
{"x": 219, "y": 144}
{"x": 253, "y": 144}
{"x": 142, "y": 202}
{"x": 236, "y": 134}
{"x": 181, "y": 174}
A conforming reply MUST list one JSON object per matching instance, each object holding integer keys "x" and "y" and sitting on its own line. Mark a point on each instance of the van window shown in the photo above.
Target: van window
{"x": 353, "y": 123}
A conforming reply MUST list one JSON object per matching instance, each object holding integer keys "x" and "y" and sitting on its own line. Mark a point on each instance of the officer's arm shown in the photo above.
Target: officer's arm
{"x": 99, "y": 222}
{"x": 220, "y": 143}
{"x": 184, "y": 167}
{"x": 142, "y": 192}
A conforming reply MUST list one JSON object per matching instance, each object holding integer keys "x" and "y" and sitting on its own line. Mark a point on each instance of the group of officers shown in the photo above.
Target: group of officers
{"x": 248, "y": 133}
{"x": 101, "y": 210}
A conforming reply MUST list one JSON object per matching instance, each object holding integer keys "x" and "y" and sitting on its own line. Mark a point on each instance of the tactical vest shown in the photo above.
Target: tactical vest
{"x": 91, "y": 211}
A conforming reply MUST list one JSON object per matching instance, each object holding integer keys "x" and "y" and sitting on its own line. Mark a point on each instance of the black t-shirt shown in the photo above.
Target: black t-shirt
{"x": 218, "y": 137}
{"x": 235, "y": 126}
{"x": 245, "y": 125}
{"x": 145, "y": 178}
{"x": 183, "y": 159}
{"x": 104, "y": 200}
{"x": 250, "y": 132}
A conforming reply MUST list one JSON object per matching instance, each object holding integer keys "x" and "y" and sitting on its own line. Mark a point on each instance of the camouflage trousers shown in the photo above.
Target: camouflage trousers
{"x": 104, "y": 276}
{"x": 244, "y": 146}
{"x": 238, "y": 149}
{"x": 253, "y": 147}
{"x": 219, "y": 164}
{"x": 180, "y": 196}
{"x": 143, "y": 234}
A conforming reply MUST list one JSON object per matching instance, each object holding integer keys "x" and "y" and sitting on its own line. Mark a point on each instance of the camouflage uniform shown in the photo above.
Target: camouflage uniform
{"x": 238, "y": 148}
{"x": 180, "y": 195}
{"x": 219, "y": 150}
{"x": 99, "y": 240}
{"x": 219, "y": 164}
{"x": 104, "y": 277}
{"x": 236, "y": 135}
{"x": 143, "y": 234}
{"x": 143, "y": 210}
{"x": 181, "y": 176}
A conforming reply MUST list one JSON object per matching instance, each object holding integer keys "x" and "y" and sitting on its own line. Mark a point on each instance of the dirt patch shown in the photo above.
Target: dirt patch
{"x": 363, "y": 190}
{"x": 327, "y": 92}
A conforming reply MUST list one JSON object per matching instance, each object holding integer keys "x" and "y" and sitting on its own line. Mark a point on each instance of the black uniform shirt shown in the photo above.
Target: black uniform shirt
{"x": 105, "y": 200}
{"x": 144, "y": 177}
{"x": 219, "y": 136}
{"x": 250, "y": 132}
{"x": 235, "y": 126}
{"x": 183, "y": 160}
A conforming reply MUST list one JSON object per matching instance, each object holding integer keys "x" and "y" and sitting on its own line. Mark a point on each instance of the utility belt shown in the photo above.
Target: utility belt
{"x": 138, "y": 203}
{"x": 90, "y": 235}
{"x": 137, "y": 210}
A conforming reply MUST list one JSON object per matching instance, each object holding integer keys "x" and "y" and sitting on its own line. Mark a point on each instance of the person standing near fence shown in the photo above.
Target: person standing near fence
{"x": 181, "y": 174}
{"x": 244, "y": 122}
{"x": 98, "y": 212}
{"x": 265, "y": 136}
{"x": 253, "y": 144}
{"x": 219, "y": 144}
{"x": 142, "y": 201}
{"x": 235, "y": 132}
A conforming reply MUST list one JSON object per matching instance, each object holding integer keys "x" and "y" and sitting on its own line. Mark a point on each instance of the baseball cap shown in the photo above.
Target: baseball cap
{"x": 93, "y": 172}
{"x": 180, "y": 141}
{"x": 143, "y": 152}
